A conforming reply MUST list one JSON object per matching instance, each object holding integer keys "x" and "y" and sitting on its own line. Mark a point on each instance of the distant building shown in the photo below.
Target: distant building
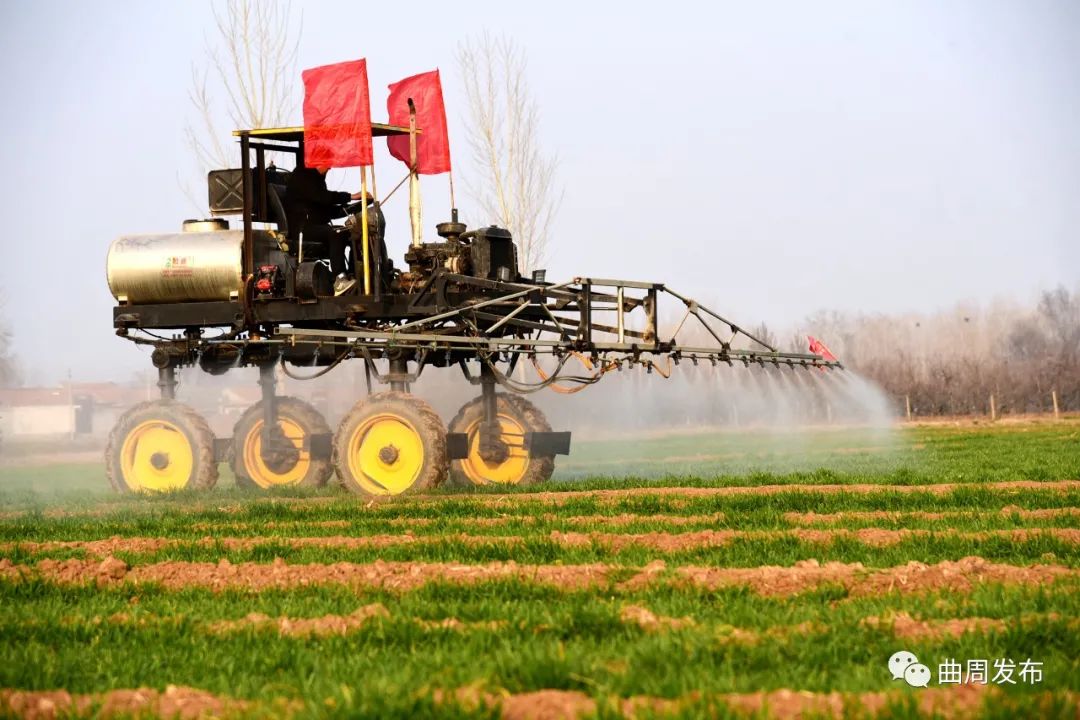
{"x": 80, "y": 409}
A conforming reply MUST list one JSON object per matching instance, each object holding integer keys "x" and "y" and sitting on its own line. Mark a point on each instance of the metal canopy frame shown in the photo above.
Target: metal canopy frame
{"x": 296, "y": 133}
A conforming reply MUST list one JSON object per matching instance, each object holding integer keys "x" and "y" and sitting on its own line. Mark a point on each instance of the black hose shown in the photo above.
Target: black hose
{"x": 328, "y": 368}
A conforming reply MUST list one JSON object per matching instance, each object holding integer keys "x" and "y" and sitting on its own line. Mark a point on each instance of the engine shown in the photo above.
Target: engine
{"x": 488, "y": 253}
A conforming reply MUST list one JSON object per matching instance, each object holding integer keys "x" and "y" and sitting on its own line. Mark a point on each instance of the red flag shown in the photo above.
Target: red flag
{"x": 432, "y": 143}
{"x": 818, "y": 348}
{"x": 337, "y": 116}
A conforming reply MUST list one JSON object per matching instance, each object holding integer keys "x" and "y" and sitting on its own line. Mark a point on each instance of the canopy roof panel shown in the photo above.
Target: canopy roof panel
{"x": 295, "y": 134}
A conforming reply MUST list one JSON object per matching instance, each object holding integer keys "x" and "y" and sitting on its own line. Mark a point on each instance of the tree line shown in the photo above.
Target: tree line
{"x": 952, "y": 362}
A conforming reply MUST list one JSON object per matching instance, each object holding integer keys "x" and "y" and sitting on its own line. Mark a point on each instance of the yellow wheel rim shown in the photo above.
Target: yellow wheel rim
{"x": 156, "y": 456}
{"x": 511, "y": 470}
{"x": 257, "y": 470}
{"x": 386, "y": 454}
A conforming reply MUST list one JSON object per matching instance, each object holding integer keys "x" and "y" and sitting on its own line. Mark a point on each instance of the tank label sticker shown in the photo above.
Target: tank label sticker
{"x": 179, "y": 266}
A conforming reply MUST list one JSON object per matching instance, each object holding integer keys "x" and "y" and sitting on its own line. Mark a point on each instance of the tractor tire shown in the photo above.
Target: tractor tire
{"x": 298, "y": 420}
{"x": 517, "y": 416}
{"x": 390, "y": 443}
{"x": 160, "y": 446}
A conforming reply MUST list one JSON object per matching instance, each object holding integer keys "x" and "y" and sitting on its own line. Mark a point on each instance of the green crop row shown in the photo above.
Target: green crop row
{"x": 550, "y": 640}
{"x": 173, "y": 518}
{"x": 738, "y": 552}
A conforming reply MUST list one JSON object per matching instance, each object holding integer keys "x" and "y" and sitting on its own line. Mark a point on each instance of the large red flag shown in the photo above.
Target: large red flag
{"x": 337, "y": 116}
{"x": 432, "y": 143}
{"x": 818, "y": 348}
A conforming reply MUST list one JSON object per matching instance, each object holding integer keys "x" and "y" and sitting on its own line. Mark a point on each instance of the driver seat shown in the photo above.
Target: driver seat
{"x": 313, "y": 249}
{"x": 277, "y": 207}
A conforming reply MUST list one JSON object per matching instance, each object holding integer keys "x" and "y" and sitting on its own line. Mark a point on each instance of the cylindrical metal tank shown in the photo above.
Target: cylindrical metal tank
{"x": 176, "y": 267}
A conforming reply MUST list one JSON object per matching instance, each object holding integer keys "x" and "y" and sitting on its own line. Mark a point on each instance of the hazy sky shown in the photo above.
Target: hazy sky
{"x": 772, "y": 158}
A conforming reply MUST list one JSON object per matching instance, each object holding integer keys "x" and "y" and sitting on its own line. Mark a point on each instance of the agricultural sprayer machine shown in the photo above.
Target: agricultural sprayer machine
{"x": 217, "y": 297}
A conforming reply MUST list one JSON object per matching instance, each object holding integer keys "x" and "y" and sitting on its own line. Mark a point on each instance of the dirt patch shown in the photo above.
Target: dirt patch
{"x": 664, "y": 542}
{"x": 958, "y": 701}
{"x": 174, "y": 702}
{"x": 340, "y": 624}
{"x": 113, "y": 545}
{"x": 452, "y": 623}
{"x": 305, "y": 627}
{"x": 812, "y": 518}
{"x": 210, "y": 527}
{"x": 575, "y": 521}
{"x": 538, "y": 705}
{"x": 659, "y": 541}
{"x": 649, "y": 621}
{"x": 960, "y": 575}
{"x": 904, "y": 625}
{"x": 913, "y": 577}
{"x": 954, "y": 702}
{"x": 616, "y": 495}
{"x": 259, "y": 576}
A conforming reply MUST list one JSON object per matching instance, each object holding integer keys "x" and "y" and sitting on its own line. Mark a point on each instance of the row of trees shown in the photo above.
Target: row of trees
{"x": 953, "y": 361}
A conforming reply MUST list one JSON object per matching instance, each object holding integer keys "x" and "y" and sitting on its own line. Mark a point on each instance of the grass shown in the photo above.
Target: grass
{"x": 549, "y": 640}
{"x": 740, "y": 552}
{"x": 60, "y": 636}
{"x": 911, "y": 456}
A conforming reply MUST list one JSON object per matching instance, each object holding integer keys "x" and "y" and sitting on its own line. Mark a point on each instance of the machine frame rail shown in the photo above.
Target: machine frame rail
{"x": 523, "y": 318}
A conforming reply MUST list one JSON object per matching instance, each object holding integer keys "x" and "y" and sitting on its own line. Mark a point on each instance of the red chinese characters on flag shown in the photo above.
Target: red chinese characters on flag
{"x": 818, "y": 348}
{"x": 337, "y": 116}
{"x": 432, "y": 142}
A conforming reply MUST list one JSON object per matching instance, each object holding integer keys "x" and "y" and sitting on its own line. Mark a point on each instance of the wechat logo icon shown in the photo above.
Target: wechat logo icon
{"x": 905, "y": 666}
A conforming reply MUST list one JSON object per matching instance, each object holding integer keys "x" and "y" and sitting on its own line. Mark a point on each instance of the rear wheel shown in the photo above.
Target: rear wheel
{"x": 160, "y": 446}
{"x": 292, "y": 465}
{"x": 513, "y": 465}
{"x": 390, "y": 443}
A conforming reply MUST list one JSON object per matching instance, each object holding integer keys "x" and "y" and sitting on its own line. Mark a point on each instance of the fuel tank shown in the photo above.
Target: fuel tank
{"x": 198, "y": 265}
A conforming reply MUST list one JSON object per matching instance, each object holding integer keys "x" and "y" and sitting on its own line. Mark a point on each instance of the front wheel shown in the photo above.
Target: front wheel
{"x": 160, "y": 446}
{"x": 512, "y": 466}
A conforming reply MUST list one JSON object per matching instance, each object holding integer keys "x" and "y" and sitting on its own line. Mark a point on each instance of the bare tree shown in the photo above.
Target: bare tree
{"x": 513, "y": 179}
{"x": 9, "y": 368}
{"x": 952, "y": 361}
{"x": 764, "y": 334}
{"x": 252, "y": 59}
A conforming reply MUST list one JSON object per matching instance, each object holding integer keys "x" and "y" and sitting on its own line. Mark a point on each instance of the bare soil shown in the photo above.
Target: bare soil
{"x": 904, "y": 625}
{"x": 175, "y": 702}
{"x": 649, "y": 621}
{"x": 913, "y": 577}
{"x": 616, "y": 495}
{"x": 303, "y": 627}
{"x": 660, "y": 541}
{"x": 259, "y": 576}
{"x": 340, "y": 624}
{"x": 812, "y": 518}
{"x": 769, "y": 580}
{"x": 960, "y": 701}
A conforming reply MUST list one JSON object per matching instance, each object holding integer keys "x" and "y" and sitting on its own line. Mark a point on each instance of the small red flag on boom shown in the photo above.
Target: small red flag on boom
{"x": 432, "y": 142}
{"x": 818, "y": 348}
{"x": 337, "y": 116}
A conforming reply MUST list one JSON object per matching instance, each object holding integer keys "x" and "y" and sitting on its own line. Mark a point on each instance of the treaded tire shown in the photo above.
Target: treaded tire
{"x": 204, "y": 470}
{"x": 539, "y": 469}
{"x": 299, "y": 412}
{"x": 418, "y": 415}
